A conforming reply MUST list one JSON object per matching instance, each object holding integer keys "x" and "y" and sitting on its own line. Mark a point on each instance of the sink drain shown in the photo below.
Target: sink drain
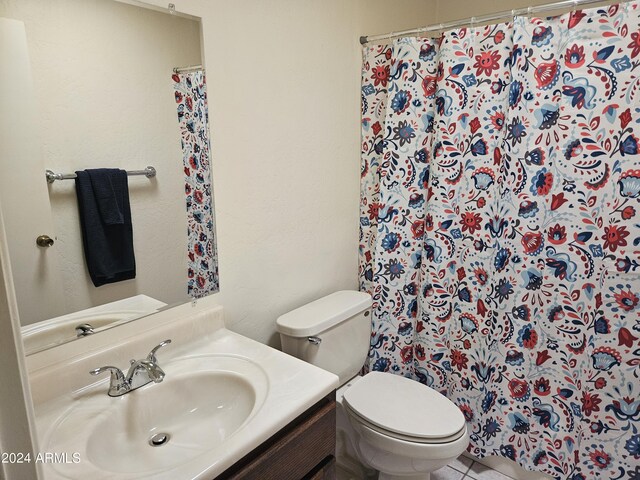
{"x": 159, "y": 439}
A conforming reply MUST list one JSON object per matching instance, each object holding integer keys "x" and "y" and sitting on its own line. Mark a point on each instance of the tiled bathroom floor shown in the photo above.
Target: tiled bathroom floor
{"x": 460, "y": 468}
{"x": 465, "y": 468}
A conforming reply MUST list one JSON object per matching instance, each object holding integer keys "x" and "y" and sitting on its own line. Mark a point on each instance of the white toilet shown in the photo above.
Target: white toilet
{"x": 385, "y": 422}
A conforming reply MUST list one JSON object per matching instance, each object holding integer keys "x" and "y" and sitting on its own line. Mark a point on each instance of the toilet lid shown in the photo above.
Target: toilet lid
{"x": 403, "y": 406}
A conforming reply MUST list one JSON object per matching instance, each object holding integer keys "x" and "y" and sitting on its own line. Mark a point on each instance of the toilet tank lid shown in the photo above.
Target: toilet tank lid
{"x": 324, "y": 313}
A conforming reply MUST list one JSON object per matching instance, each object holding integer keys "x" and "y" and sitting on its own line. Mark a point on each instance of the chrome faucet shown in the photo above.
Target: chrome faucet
{"x": 140, "y": 373}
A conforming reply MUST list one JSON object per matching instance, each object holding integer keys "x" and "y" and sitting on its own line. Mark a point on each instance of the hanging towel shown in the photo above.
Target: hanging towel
{"x": 105, "y": 220}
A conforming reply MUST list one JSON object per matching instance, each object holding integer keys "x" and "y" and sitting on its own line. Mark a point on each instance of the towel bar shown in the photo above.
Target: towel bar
{"x": 52, "y": 177}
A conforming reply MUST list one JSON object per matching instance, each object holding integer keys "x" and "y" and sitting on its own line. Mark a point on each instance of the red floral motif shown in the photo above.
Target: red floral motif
{"x": 373, "y": 210}
{"x": 546, "y": 74}
{"x": 558, "y": 200}
{"x": 417, "y": 229}
{"x": 590, "y": 403}
{"x": 470, "y": 222}
{"x": 628, "y": 212}
{"x": 625, "y": 118}
{"x": 532, "y": 243}
{"x": 600, "y": 459}
{"x": 541, "y": 387}
{"x": 543, "y": 183}
{"x": 557, "y": 234}
{"x": 614, "y": 237}
{"x": 519, "y": 389}
{"x": 600, "y": 383}
{"x": 497, "y": 120}
{"x": 429, "y": 86}
{"x": 635, "y": 44}
{"x": 459, "y": 360}
{"x": 574, "y": 56}
{"x": 487, "y": 62}
{"x": 474, "y": 125}
{"x": 480, "y": 275}
{"x": 380, "y": 75}
{"x": 407, "y": 354}
{"x": 625, "y": 337}
{"x": 627, "y": 301}
{"x": 428, "y": 222}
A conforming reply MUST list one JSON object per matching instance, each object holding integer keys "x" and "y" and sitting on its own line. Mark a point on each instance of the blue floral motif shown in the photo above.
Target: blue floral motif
{"x": 469, "y": 80}
{"x": 621, "y": 64}
{"x": 368, "y": 89}
{"x": 391, "y": 241}
{"x": 401, "y": 101}
{"x": 515, "y": 93}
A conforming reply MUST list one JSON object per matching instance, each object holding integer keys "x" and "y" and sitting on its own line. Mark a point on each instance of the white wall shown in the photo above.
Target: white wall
{"x": 284, "y": 93}
{"x": 104, "y": 97}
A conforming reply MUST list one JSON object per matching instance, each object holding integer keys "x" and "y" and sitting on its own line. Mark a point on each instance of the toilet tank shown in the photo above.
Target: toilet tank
{"x": 332, "y": 332}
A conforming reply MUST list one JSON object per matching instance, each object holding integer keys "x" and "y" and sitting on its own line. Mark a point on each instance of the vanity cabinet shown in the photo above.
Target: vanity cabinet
{"x": 303, "y": 450}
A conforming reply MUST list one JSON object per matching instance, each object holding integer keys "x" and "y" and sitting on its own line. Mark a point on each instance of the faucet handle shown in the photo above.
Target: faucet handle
{"x": 115, "y": 372}
{"x": 152, "y": 354}
{"x": 117, "y": 380}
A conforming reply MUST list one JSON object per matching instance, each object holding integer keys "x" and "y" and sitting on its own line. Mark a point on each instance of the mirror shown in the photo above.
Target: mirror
{"x": 103, "y": 96}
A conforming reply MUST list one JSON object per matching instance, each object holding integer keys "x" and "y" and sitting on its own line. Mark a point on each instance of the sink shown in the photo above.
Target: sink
{"x": 223, "y": 396}
{"x": 203, "y": 401}
{"x": 55, "y": 331}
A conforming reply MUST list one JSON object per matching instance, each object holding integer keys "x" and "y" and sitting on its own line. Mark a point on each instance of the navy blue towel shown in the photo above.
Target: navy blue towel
{"x": 105, "y": 220}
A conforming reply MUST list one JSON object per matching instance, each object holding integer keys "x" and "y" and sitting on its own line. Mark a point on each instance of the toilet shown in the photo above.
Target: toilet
{"x": 386, "y": 423}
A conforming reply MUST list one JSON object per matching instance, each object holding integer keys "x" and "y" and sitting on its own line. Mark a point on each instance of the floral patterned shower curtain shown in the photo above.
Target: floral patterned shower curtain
{"x": 193, "y": 116}
{"x": 500, "y": 232}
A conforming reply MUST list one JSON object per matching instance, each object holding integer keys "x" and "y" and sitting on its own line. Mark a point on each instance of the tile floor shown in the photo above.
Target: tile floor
{"x": 460, "y": 468}
{"x": 465, "y": 468}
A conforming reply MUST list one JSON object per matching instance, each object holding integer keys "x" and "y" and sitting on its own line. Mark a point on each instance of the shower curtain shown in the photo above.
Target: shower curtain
{"x": 190, "y": 93}
{"x": 500, "y": 232}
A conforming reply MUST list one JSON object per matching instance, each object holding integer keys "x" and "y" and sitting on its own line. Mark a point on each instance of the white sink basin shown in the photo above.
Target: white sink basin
{"x": 223, "y": 396}
{"x": 202, "y": 402}
{"x": 55, "y": 331}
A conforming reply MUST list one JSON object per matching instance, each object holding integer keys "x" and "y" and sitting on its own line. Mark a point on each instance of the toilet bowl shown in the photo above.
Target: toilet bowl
{"x": 387, "y": 425}
{"x": 411, "y": 447}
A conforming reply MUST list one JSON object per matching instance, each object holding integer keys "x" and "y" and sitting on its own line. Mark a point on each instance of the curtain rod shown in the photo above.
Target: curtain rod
{"x": 189, "y": 68}
{"x": 482, "y": 19}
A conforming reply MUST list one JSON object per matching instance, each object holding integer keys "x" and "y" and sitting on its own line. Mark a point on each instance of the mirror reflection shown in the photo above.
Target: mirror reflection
{"x": 107, "y": 101}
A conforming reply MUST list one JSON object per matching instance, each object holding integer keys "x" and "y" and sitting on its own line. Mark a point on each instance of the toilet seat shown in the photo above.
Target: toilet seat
{"x": 426, "y": 415}
{"x": 404, "y": 438}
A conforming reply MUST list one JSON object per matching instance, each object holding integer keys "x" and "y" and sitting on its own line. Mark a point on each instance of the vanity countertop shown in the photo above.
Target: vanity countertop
{"x": 288, "y": 387}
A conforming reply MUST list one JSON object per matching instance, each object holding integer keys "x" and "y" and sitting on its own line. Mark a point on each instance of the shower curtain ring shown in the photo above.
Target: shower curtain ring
{"x": 575, "y": 5}
{"x": 513, "y": 15}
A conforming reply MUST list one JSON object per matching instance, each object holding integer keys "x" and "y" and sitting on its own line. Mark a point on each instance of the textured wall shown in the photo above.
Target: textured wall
{"x": 284, "y": 91}
{"x": 104, "y": 95}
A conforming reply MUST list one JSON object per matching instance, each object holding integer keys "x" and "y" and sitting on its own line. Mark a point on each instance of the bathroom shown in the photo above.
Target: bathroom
{"x": 284, "y": 94}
